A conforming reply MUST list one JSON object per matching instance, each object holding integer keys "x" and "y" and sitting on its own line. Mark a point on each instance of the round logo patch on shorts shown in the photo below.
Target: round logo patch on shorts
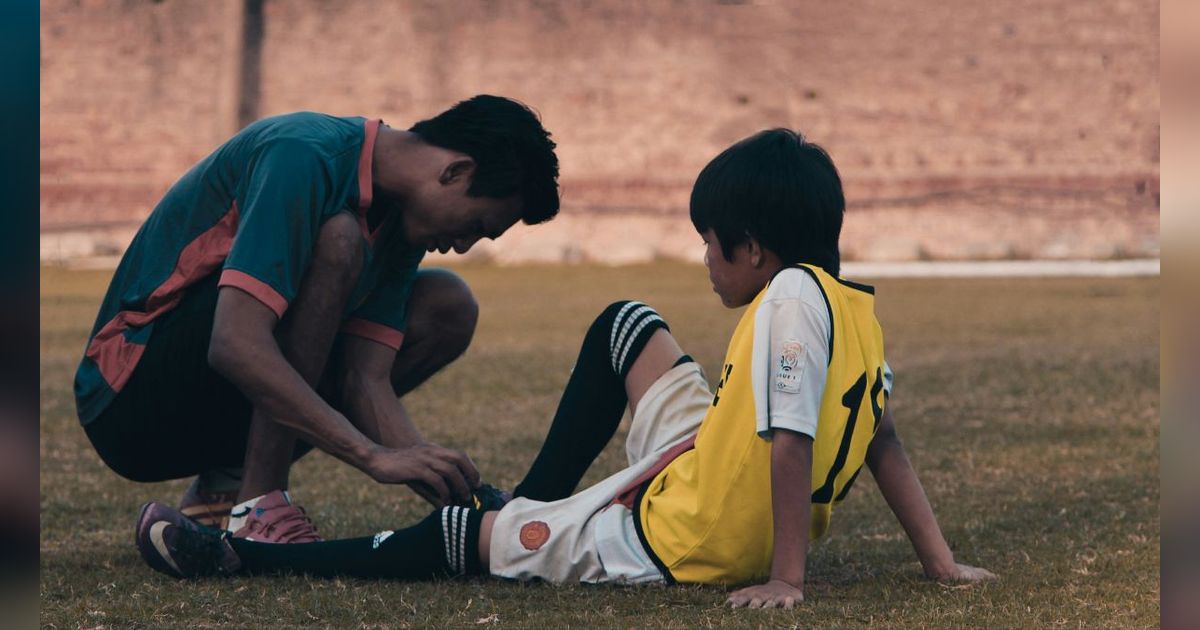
{"x": 534, "y": 534}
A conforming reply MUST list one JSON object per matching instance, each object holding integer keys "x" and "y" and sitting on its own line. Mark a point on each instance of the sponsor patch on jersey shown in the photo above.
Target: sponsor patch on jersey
{"x": 791, "y": 367}
{"x": 534, "y": 534}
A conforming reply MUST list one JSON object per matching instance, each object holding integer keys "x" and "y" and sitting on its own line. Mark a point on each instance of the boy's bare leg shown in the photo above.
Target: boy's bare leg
{"x": 659, "y": 355}
{"x": 485, "y": 540}
{"x": 623, "y": 352}
{"x": 305, "y": 336}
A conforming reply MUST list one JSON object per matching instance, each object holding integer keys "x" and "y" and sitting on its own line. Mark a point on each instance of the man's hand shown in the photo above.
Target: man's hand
{"x": 440, "y": 475}
{"x": 773, "y": 594}
{"x": 962, "y": 573}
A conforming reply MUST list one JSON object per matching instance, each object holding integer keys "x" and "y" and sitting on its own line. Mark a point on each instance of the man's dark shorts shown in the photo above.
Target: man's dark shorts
{"x": 176, "y": 416}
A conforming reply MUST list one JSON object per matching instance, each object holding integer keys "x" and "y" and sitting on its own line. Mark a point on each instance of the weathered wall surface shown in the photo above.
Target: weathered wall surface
{"x": 969, "y": 129}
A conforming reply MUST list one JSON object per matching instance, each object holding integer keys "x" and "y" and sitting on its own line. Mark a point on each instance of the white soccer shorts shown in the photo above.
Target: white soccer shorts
{"x": 585, "y": 537}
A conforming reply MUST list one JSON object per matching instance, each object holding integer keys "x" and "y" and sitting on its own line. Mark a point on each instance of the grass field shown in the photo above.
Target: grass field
{"x": 1030, "y": 409}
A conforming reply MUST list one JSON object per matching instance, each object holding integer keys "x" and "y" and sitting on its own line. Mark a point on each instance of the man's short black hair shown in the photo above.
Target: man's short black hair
{"x": 513, "y": 153}
{"x": 779, "y": 189}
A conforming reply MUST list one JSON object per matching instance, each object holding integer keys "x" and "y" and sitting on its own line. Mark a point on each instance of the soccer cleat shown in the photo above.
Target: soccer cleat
{"x": 208, "y": 508}
{"x": 274, "y": 519}
{"x": 488, "y": 498}
{"x": 172, "y": 544}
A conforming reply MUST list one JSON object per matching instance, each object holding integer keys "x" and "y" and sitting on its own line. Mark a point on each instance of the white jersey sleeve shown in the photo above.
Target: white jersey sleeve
{"x": 791, "y": 355}
{"x": 888, "y": 379}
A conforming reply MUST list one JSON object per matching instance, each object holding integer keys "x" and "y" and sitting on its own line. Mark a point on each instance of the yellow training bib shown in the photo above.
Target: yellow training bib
{"x": 707, "y": 516}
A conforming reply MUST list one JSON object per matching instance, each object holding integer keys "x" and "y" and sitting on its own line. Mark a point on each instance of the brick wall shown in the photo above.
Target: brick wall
{"x": 978, "y": 112}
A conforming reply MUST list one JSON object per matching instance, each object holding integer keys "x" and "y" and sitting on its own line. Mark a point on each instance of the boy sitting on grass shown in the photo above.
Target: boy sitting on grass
{"x": 721, "y": 488}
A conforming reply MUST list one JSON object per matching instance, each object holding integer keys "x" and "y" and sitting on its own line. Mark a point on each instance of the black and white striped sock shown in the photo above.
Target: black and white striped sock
{"x": 593, "y": 402}
{"x": 444, "y": 544}
{"x": 632, "y": 326}
{"x": 460, "y": 539}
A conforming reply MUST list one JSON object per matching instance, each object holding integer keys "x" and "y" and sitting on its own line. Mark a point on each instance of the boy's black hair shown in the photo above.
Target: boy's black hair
{"x": 779, "y": 189}
{"x": 513, "y": 153}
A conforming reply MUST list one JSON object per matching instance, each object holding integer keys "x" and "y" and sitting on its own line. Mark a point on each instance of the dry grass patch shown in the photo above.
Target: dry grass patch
{"x": 1030, "y": 409}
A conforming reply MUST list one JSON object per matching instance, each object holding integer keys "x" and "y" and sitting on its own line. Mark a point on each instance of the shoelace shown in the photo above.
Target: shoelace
{"x": 488, "y": 497}
{"x": 288, "y": 524}
{"x": 200, "y": 548}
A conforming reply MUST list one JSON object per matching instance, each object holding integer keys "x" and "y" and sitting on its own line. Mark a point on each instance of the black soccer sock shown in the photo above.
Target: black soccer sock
{"x": 593, "y": 402}
{"x": 445, "y": 544}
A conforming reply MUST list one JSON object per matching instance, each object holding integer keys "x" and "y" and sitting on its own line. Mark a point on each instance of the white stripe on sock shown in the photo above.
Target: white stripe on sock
{"x": 633, "y": 337}
{"x": 612, "y": 338}
{"x": 445, "y": 538}
{"x": 454, "y": 526}
{"x": 625, "y": 326}
{"x": 462, "y": 543}
{"x": 625, "y": 323}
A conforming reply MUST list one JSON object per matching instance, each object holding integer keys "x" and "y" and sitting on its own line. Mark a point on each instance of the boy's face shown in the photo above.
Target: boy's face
{"x": 736, "y": 281}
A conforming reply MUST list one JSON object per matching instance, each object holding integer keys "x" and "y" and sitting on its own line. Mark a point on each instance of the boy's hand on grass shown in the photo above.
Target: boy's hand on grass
{"x": 773, "y": 594}
{"x": 963, "y": 573}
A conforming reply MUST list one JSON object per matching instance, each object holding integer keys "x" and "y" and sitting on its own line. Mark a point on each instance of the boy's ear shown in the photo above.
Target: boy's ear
{"x": 456, "y": 171}
{"x": 755, "y": 250}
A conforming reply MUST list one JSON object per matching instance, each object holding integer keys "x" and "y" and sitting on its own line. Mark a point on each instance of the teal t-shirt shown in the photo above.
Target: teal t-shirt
{"x": 250, "y": 211}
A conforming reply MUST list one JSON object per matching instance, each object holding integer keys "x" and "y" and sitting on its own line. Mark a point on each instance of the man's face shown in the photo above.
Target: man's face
{"x": 735, "y": 281}
{"x": 442, "y": 217}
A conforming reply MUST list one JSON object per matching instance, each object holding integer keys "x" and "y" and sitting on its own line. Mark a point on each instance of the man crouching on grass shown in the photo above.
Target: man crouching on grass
{"x": 272, "y": 302}
{"x": 721, "y": 488}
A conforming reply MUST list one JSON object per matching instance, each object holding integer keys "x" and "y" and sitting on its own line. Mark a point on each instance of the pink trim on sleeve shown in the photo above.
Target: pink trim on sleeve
{"x": 385, "y": 335}
{"x": 365, "y": 193}
{"x": 258, "y": 289}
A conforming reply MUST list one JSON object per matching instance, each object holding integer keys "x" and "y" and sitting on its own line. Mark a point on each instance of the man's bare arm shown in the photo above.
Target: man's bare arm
{"x": 371, "y": 404}
{"x": 243, "y": 348}
{"x": 369, "y": 399}
{"x": 906, "y": 497}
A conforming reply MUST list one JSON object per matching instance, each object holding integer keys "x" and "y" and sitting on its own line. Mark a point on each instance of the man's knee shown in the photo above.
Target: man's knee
{"x": 447, "y": 307}
{"x": 339, "y": 246}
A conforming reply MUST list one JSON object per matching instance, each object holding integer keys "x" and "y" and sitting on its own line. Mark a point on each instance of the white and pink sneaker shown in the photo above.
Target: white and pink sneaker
{"x": 272, "y": 518}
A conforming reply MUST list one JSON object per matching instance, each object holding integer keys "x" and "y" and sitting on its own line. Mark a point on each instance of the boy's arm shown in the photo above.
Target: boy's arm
{"x": 904, "y": 494}
{"x": 791, "y": 504}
